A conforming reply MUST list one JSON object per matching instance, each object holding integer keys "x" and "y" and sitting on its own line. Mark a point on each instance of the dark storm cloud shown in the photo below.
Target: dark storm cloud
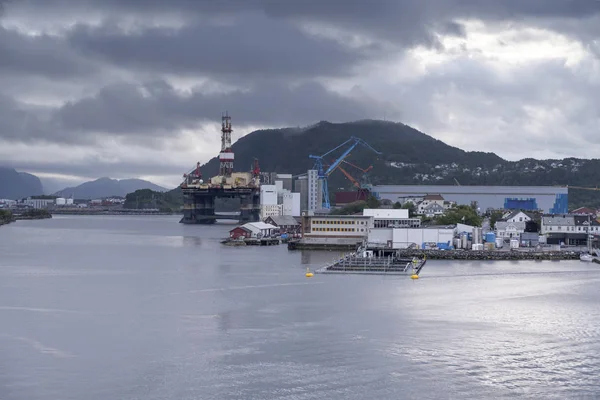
{"x": 261, "y": 37}
{"x": 19, "y": 122}
{"x": 40, "y": 55}
{"x": 156, "y": 108}
{"x": 386, "y": 18}
{"x": 252, "y": 46}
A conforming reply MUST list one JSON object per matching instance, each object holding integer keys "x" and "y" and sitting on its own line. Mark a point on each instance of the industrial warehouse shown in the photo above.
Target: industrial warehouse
{"x": 549, "y": 199}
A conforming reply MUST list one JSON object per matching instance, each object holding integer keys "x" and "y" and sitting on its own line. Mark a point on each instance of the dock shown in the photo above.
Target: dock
{"x": 252, "y": 242}
{"x": 369, "y": 264}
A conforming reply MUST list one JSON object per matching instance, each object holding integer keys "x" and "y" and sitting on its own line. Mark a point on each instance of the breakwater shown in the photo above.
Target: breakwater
{"x": 512, "y": 255}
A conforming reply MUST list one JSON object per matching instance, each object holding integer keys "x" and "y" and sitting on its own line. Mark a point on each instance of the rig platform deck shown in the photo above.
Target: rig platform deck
{"x": 199, "y": 204}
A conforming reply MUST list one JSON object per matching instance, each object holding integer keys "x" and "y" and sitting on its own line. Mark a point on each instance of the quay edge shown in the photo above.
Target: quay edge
{"x": 484, "y": 255}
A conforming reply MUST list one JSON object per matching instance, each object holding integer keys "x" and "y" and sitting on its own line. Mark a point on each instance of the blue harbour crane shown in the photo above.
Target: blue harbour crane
{"x": 323, "y": 173}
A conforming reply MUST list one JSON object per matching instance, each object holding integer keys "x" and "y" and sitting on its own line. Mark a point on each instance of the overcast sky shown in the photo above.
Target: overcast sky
{"x": 135, "y": 88}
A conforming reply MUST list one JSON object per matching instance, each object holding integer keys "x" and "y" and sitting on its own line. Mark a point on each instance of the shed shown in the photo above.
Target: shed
{"x": 240, "y": 232}
{"x": 285, "y": 223}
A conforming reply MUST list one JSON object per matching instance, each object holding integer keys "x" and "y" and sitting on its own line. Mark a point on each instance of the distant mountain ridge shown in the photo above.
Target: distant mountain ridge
{"x": 17, "y": 185}
{"x": 107, "y": 187}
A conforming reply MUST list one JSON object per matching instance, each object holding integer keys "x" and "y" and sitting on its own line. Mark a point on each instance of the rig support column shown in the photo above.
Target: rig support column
{"x": 198, "y": 209}
{"x": 250, "y": 207}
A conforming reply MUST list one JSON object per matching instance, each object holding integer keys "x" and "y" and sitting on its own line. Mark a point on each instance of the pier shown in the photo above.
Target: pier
{"x": 252, "y": 242}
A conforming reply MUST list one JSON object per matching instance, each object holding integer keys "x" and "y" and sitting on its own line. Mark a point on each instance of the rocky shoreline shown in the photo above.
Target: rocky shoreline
{"x": 6, "y": 217}
{"x": 31, "y": 217}
{"x": 6, "y": 221}
{"x": 490, "y": 255}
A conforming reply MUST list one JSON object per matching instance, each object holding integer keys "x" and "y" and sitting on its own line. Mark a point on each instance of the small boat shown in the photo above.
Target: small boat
{"x": 586, "y": 257}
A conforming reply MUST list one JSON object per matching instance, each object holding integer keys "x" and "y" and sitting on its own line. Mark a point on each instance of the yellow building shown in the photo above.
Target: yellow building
{"x": 336, "y": 226}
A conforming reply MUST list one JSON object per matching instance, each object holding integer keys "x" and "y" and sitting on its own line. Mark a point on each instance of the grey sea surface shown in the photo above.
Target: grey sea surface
{"x": 141, "y": 307}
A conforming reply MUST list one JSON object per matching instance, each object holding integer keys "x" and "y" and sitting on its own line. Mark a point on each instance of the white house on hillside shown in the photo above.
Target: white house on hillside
{"x": 512, "y": 225}
{"x": 516, "y": 216}
{"x": 428, "y": 200}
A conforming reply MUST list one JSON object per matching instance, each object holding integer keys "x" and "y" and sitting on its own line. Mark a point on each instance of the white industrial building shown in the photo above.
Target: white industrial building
{"x": 402, "y": 238}
{"x": 388, "y": 218}
{"x": 270, "y": 210}
{"x": 39, "y": 203}
{"x": 315, "y": 191}
{"x": 268, "y": 195}
{"x": 291, "y": 204}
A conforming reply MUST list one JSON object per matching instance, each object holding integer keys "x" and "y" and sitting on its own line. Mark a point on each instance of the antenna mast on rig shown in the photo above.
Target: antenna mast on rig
{"x": 226, "y": 156}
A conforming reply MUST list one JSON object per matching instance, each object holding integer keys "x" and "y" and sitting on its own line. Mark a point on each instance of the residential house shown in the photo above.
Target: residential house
{"x": 530, "y": 239}
{"x": 433, "y": 210}
{"x": 516, "y": 216}
{"x": 428, "y": 200}
{"x": 254, "y": 230}
{"x": 569, "y": 229}
{"x": 512, "y": 225}
{"x": 585, "y": 211}
{"x": 285, "y": 223}
{"x": 449, "y": 204}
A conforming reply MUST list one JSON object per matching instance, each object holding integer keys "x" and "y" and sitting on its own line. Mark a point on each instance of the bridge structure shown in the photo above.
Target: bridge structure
{"x": 199, "y": 195}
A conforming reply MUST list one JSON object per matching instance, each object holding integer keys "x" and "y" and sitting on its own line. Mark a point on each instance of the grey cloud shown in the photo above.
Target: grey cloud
{"x": 157, "y": 108}
{"x": 19, "y": 122}
{"x": 493, "y": 113}
{"x": 252, "y": 46}
{"x": 40, "y": 55}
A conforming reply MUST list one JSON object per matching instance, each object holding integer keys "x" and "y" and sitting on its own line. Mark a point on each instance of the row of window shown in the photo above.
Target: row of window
{"x": 328, "y": 222}
{"x": 579, "y": 228}
{"x": 337, "y": 229}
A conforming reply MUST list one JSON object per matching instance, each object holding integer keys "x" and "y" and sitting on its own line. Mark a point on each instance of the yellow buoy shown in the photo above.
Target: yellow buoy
{"x": 308, "y": 273}
{"x": 414, "y": 276}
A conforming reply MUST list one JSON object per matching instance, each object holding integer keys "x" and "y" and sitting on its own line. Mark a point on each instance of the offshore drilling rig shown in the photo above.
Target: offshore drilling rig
{"x": 199, "y": 196}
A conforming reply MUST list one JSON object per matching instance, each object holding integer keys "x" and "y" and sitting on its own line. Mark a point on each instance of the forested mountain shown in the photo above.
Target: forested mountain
{"x": 408, "y": 157}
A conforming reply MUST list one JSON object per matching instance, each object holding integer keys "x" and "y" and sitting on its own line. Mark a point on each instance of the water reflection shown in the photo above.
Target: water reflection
{"x": 225, "y": 321}
{"x": 305, "y": 257}
{"x": 192, "y": 241}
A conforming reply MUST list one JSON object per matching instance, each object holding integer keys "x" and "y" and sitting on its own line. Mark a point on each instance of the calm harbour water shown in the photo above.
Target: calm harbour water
{"x": 146, "y": 308}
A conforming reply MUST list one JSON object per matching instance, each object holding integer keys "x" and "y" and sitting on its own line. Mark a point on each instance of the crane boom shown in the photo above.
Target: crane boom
{"x": 582, "y": 187}
{"x": 350, "y": 178}
{"x": 324, "y": 174}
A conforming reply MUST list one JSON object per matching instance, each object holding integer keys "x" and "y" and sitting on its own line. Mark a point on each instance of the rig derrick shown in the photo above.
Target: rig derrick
{"x": 199, "y": 195}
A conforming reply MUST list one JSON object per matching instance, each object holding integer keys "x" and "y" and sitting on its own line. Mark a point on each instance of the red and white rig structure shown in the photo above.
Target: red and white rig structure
{"x": 199, "y": 194}
{"x": 226, "y": 156}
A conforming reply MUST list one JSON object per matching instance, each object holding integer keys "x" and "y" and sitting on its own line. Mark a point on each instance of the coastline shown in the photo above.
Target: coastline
{"x": 109, "y": 212}
{"x": 6, "y": 217}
